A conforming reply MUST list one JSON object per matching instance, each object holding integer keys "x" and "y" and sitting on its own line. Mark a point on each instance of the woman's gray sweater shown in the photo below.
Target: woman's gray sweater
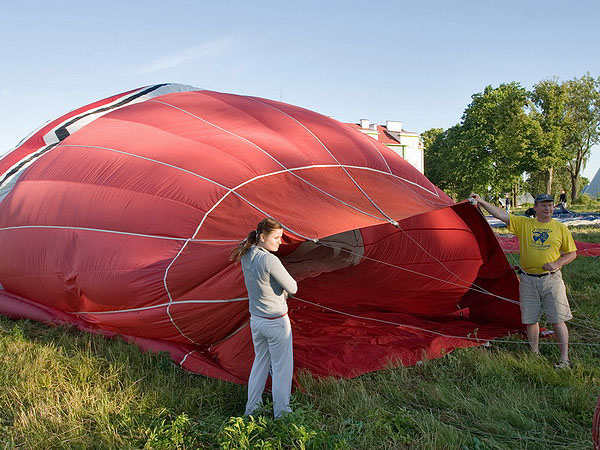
{"x": 266, "y": 281}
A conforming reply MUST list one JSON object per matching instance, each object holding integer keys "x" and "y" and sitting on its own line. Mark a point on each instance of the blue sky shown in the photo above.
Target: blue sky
{"x": 417, "y": 62}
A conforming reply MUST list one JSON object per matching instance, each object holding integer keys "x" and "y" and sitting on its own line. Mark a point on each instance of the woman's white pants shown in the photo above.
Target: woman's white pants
{"x": 272, "y": 340}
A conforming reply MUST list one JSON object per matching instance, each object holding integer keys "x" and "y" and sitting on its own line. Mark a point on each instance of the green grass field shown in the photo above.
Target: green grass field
{"x": 60, "y": 388}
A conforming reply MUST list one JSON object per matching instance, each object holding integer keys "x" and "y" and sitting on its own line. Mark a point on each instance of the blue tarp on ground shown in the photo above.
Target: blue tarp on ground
{"x": 562, "y": 215}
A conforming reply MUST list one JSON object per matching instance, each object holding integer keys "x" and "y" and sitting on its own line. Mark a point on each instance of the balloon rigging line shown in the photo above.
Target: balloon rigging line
{"x": 412, "y": 327}
{"x": 392, "y": 221}
{"x": 186, "y": 357}
{"x": 103, "y": 230}
{"x": 51, "y": 138}
{"x": 176, "y": 302}
{"x": 370, "y": 140}
{"x": 286, "y": 169}
{"x": 401, "y": 180}
{"x": 476, "y": 289}
{"x": 240, "y": 328}
{"x": 482, "y": 290}
{"x": 409, "y": 183}
{"x": 216, "y": 343}
{"x": 579, "y": 322}
{"x": 289, "y": 170}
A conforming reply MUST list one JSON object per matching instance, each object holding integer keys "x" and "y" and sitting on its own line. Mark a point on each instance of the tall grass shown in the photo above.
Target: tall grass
{"x": 63, "y": 389}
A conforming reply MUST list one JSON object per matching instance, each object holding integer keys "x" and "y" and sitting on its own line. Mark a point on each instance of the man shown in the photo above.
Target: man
{"x": 545, "y": 245}
{"x": 563, "y": 198}
{"x": 507, "y": 202}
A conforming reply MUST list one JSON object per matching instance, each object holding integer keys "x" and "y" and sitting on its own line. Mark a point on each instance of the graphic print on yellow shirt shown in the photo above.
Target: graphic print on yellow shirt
{"x": 540, "y": 243}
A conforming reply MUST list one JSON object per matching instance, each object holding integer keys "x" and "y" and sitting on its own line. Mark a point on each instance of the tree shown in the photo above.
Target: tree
{"x": 537, "y": 182}
{"x": 443, "y": 160}
{"x": 583, "y": 124}
{"x": 506, "y": 132}
{"x": 489, "y": 150}
{"x": 430, "y": 136}
{"x": 549, "y": 98}
{"x": 431, "y": 154}
{"x": 498, "y": 134}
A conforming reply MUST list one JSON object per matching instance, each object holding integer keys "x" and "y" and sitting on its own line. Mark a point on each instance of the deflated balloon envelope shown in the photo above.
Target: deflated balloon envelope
{"x": 119, "y": 218}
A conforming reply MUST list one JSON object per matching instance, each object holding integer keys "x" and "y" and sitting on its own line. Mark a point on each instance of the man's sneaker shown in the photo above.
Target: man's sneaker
{"x": 563, "y": 364}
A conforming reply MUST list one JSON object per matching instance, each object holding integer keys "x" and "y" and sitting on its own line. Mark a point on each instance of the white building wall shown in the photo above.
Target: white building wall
{"x": 393, "y": 125}
{"x": 412, "y": 150}
{"x": 410, "y": 147}
{"x": 370, "y": 132}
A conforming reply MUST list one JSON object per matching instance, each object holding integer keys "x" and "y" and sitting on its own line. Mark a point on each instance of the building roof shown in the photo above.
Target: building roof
{"x": 385, "y": 136}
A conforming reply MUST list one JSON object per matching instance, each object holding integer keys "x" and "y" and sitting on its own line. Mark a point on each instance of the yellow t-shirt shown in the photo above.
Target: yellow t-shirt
{"x": 540, "y": 243}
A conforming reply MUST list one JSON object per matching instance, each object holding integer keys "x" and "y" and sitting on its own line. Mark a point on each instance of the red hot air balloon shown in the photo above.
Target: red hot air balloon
{"x": 119, "y": 218}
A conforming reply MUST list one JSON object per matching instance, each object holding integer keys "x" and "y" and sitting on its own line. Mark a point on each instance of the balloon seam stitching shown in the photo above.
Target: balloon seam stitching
{"x": 175, "y": 302}
{"x": 266, "y": 153}
{"x": 127, "y": 233}
{"x": 332, "y": 156}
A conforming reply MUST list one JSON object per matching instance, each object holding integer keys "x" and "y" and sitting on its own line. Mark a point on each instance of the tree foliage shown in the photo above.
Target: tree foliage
{"x": 538, "y": 182}
{"x": 508, "y": 134}
{"x": 583, "y": 124}
{"x": 441, "y": 160}
{"x": 549, "y": 99}
{"x": 489, "y": 149}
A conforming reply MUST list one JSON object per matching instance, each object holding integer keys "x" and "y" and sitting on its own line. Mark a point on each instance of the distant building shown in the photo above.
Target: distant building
{"x": 407, "y": 144}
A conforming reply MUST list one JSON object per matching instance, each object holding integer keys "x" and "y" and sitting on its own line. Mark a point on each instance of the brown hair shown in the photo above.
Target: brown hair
{"x": 265, "y": 226}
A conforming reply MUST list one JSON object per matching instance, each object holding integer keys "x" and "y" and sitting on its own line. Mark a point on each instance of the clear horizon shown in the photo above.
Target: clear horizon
{"x": 415, "y": 63}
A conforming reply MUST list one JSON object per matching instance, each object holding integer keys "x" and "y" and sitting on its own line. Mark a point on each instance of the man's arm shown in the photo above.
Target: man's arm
{"x": 498, "y": 213}
{"x": 565, "y": 259}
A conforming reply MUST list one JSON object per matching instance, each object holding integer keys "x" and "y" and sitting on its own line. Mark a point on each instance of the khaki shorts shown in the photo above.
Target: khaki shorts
{"x": 546, "y": 294}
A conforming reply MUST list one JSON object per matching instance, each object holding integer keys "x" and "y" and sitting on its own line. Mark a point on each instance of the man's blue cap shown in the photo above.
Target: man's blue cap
{"x": 544, "y": 198}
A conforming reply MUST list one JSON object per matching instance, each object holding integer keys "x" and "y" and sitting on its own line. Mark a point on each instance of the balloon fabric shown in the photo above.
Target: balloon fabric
{"x": 119, "y": 218}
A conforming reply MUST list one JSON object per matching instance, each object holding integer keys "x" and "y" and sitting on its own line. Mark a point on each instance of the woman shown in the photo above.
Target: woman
{"x": 268, "y": 284}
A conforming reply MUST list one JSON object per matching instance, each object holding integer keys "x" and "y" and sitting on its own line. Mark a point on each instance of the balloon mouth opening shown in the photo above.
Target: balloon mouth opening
{"x": 377, "y": 268}
{"x": 424, "y": 269}
{"x": 333, "y": 253}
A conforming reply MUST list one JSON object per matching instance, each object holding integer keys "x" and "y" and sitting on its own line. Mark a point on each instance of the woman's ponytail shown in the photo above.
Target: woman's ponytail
{"x": 265, "y": 226}
{"x": 244, "y": 246}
